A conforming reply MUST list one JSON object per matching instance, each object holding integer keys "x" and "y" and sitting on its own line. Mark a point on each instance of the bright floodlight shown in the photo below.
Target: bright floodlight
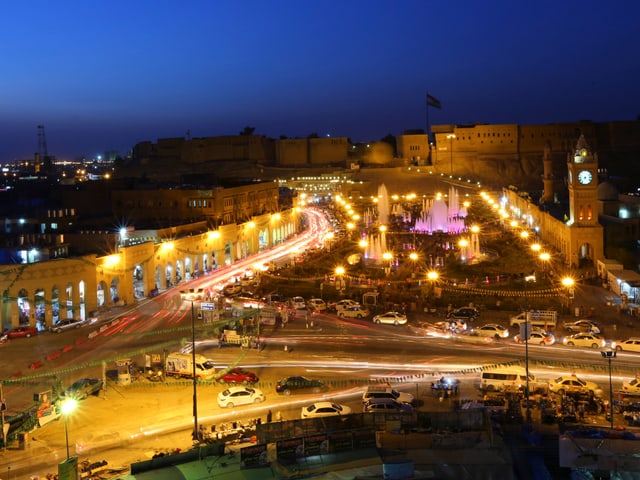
{"x": 567, "y": 282}
{"x": 432, "y": 275}
{"x": 68, "y": 406}
{"x": 339, "y": 270}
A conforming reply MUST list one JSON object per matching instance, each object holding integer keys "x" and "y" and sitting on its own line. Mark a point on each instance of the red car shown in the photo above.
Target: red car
{"x": 238, "y": 375}
{"x": 21, "y": 331}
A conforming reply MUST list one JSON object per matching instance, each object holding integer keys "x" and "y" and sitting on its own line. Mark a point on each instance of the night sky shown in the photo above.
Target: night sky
{"x": 105, "y": 75}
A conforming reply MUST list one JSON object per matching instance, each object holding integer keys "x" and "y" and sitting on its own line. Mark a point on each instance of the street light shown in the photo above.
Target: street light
{"x": 451, "y": 136}
{"x": 609, "y": 354}
{"x": 68, "y": 406}
{"x": 568, "y": 283}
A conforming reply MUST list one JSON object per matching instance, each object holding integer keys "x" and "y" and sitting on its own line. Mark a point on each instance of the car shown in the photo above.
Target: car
{"x": 232, "y": 289}
{"x": 386, "y": 405}
{"x": 324, "y": 409}
{"x": 537, "y": 337}
{"x": 467, "y": 313}
{"x": 575, "y": 385}
{"x": 298, "y": 303}
{"x": 631, "y": 387}
{"x": 354, "y": 312}
{"x": 340, "y": 304}
{"x": 393, "y": 318}
{"x": 67, "y": 324}
{"x": 492, "y": 330}
{"x": 582, "y": 326}
{"x": 299, "y": 384}
{"x": 22, "y": 331}
{"x": 235, "y": 396}
{"x": 81, "y": 389}
{"x": 629, "y": 345}
{"x": 317, "y": 304}
{"x": 585, "y": 340}
{"x": 238, "y": 375}
{"x": 386, "y": 391}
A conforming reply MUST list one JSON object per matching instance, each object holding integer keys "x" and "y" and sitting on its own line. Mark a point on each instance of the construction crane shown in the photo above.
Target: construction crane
{"x": 43, "y": 161}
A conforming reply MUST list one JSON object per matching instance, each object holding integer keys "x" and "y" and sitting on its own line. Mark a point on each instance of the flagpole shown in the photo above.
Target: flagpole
{"x": 426, "y": 100}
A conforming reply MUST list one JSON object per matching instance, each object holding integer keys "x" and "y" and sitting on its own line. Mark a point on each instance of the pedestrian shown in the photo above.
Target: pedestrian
{"x": 269, "y": 416}
{"x": 278, "y": 416}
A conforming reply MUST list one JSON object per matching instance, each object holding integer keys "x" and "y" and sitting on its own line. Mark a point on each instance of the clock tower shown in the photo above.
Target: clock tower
{"x": 586, "y": 242}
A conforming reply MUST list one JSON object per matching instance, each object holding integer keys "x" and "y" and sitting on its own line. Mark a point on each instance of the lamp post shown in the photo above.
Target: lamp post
{"x": 195, "y": 378}
{"x": 451, "y": 136}
{"x": 609, "y": 354}
{"x": 568, "y": 282}
{"x": 432, "y": 276}
{"x": 340, "y": 286}
{"x": 68, "y": 406}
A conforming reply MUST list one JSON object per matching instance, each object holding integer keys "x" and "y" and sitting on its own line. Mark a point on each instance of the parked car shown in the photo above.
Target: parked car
{"x": 631, "y": 387}
{"x": 537, "y": 337}
{"x": 67, "y": 324}
{"x": 589, "y": 340}
{"x": 467, "y": 313}
{"x": 629, "y": 345}
{"x": 81, "y": 389}
{"x": 238, "y": 375}
{"x": 573, "y": 384}
{"x": 234, "y": 396}
{"x": 393, "y": 318}
{"x": 317, "y": 304}
{"x": 354, "y": 312}
{"x": 492, "y": 330}
{"x": 298, "y": 303}
{"x": 324, "y": 409}
{"x": 22, "y": 331}
{"x": 340, "y": 304}
{"x": 299, "y": 384}
{"x": 582, "y": 326}
{"x": 386, "y": 405}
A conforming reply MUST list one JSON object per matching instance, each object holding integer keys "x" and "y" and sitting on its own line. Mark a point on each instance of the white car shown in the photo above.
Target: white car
{"x": 582, "y": 326}
{"x": 393, "y": 318}
{"x": 234, "y": 396}
{"x": 573, "y": 384}
{"x": 298, "y": 303}
{"x": 537, "y": 337}
{"x": 492, "y": 330}
{"x": 67, "y": 324}
{"x": 589, "y": 340}
{"x": 317, "y": 304}
{"x": 324, "y": 409}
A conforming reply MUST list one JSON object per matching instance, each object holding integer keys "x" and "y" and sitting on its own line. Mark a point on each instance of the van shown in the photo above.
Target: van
{"x": 181, "y": 365}
{"x": 386, "y": 391}
{"x": 508, "y": 379}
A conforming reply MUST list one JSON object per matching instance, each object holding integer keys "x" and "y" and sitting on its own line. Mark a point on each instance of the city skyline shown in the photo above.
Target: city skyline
{"x": 103, "y": 77}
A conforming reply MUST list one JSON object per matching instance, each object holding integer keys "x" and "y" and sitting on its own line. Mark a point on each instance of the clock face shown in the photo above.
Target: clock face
{"x": 585, "y": 177}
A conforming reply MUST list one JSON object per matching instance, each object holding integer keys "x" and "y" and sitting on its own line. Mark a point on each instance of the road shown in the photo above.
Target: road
{"x": 145, "y": 418}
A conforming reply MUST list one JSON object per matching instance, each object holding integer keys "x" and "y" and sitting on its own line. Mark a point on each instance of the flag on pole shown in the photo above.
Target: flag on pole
{"x": 433, "y": 102}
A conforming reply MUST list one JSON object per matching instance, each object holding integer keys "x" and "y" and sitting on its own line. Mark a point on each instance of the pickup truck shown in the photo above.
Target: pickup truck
{"x": 537, "y": 318}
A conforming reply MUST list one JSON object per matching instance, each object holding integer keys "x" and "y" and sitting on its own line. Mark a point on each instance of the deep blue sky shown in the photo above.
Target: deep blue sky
{"x": 104, "y": 75}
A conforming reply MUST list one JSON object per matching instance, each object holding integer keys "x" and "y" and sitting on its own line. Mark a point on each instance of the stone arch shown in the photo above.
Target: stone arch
{"x": 586, "y": 255}
{"x": 179, "y": 272}
{"x": 55, "y": 305}
{"x": 82, "y": 294}
{"x": 101, "y": 293}
{"x": 263, "y": 239}
{"x": 168, "y": 272}
{"x": 68, "y": 301}
{"x": 39, "y": 303}
{"x": 24, "y": 307}
{"x": 114, "y": 294}
{"x": 188, "y": 268}
{"x": 138, "y": 282}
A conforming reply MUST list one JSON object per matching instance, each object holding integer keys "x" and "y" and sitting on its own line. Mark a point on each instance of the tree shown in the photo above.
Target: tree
{"x": 391, "y": 140}
{"x": 248, "y": 131}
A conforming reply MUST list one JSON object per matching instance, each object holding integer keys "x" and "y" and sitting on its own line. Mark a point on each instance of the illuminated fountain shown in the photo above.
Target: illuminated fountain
{"x": 383, "y": 205}
{"x": 438, "y": 216}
